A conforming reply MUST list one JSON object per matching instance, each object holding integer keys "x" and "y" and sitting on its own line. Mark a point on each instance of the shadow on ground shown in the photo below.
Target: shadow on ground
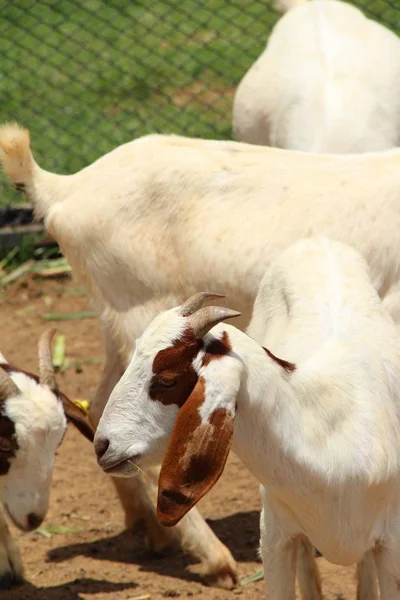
{"x": 71, "y": 590}
{"x": 240, "y": 532}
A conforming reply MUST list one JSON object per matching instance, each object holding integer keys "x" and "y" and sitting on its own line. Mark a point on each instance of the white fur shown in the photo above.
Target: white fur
{"x": 323, "y": 440}
{"x": 145, "y": 233}
{"x": 40, "y": 425}
{"x": 327, "y": 81}
{"x": 285, "y": 5}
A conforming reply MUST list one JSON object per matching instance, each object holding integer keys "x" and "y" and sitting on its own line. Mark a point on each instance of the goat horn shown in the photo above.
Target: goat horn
{"x": 7, "y": 386}
{"x": 46, "y": 368}
{"x": 196, "y": 301}
{"x": 205, "y": 318}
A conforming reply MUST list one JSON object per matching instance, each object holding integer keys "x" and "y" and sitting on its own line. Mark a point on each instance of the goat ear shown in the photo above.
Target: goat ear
{"x": 76, "y": 416}
{"x": 200, "y": 442}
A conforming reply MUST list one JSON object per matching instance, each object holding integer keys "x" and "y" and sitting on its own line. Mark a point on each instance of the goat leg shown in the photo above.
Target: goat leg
{"x": 11, "y": 569}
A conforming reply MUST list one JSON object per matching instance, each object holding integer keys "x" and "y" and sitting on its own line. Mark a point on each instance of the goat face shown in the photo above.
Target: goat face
{"x": 32, "y": 426}
{"x": 33, "y": 421}
{"x": 176, "y": 400}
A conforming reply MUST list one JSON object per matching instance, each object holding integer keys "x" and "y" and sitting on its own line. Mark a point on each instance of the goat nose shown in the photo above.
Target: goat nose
{"x": 101, "y": 446}
{"x": 34, "y": 521}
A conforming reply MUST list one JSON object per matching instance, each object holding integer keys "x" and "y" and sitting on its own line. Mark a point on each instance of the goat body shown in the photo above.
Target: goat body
{"x": 164, "y": 216}
{"x": 328, "y": 81}
{"x": 139, "y": 229}
{"x": 320, "y": 429}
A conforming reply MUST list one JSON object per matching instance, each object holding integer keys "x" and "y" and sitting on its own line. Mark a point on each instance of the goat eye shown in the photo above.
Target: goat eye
{"x": 167, "y": 383}
{"x": 5, "y": 445}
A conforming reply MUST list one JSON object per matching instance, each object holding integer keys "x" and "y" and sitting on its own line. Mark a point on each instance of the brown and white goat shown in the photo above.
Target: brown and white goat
{"x": 320, "y": 430}
{"x": 33, "y": 421}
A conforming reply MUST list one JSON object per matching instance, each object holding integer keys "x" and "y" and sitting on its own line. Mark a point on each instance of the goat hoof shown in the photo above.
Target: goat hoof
{"x": 11, "y": 569}
{"x": 225, "y": 577}
{"x": 221, "y": 574}
{"x": 9, "y": 580}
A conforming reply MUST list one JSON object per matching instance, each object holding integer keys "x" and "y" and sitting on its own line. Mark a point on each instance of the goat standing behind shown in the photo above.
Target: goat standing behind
{"x": 161, "y": 217}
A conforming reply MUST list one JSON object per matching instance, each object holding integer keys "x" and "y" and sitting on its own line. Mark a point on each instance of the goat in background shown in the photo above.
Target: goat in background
{"x": 327, "y": 82}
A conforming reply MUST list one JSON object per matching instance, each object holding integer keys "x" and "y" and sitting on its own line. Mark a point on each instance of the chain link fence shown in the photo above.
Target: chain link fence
{"x": 87, "y": 75}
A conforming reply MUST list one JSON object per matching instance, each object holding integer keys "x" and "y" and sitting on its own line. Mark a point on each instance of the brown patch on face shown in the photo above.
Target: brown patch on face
{"x": 217, "y": 349}
{"x": 8, "y": 437}
{"x": 174, "y": 376}
{"x": 204, "y": 449}
{"x": 288, "y": 366}
{"x": 8, "y": 443}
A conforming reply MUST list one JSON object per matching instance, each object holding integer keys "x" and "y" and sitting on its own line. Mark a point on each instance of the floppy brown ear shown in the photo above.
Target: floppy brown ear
{"x": 199, "y": 447}
{"x": 76, "y": 416}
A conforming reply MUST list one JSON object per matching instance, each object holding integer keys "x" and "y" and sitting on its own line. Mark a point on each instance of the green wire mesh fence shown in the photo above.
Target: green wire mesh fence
{"x": 85, "y": 76}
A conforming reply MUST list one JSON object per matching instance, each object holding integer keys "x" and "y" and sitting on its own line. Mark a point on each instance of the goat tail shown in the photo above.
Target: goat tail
{"x": 18, "y": 164}
{"x": 283, "y": 6}
{"x": 16, "y": 156}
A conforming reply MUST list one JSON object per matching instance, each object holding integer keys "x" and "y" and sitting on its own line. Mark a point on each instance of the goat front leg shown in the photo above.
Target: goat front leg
{"x": 367, "y": 588}
{"x": 387, "y": 553}
{"x": 307, "y": 571}
{"x": 11, "y": 569}
{"x": 138, "y": 498}
{"x": 199, "y": 541}
{"x": 279, "y": 555}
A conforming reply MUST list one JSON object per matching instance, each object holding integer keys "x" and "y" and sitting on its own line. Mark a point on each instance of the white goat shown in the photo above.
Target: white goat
{"x": 163, "y": 216}
{"x": 33, "y": 420}
{"x": 328, "y": 81}
{"x": 320, "y": 430}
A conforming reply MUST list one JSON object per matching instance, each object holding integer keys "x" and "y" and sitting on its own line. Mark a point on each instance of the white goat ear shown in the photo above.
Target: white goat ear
{"x": 200, "y": 441}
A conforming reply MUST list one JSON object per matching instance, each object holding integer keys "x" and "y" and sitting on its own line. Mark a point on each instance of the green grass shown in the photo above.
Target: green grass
{"x": 85, "y": 76}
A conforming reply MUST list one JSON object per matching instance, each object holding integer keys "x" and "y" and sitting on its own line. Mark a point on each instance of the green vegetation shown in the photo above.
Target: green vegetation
{"x": 86, "y": 76}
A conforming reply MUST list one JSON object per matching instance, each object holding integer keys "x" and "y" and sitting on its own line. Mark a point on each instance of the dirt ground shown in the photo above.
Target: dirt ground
{"x": 101, "y": 561}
